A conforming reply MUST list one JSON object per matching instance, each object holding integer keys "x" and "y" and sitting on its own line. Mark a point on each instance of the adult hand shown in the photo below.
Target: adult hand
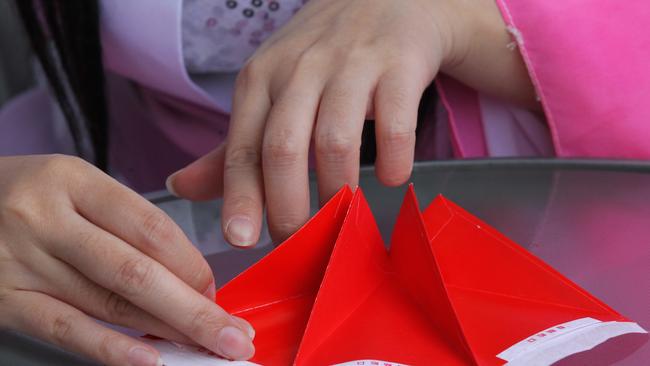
{"x": 76, "y": 244}
{"x": 335, "y": 64}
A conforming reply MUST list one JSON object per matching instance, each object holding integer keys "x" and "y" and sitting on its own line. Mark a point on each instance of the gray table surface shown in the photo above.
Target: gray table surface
{"x": 588, "y": 219}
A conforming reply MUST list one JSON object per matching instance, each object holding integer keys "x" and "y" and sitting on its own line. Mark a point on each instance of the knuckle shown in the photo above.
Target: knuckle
{"x": 206, "y": 319}
{"x": 243, "y": 203}
{"x": 25, "y": 213}
{"x": 61, "y": 329}
{"x": 83, "y": 240}
{"x": 65, "y": 171}
{"x": 106, "y": 348}
{"x": 334, "y": 146}
{"x": 398, "y": 136}
{"x": 202, "y": 276}
{"x": 251, "y": 74}
{"x": 64, "y": 164}
{"x": 241, "y": 157}
{"x": 21, "y": 207}
{"x": 158, "y": 228}
{"x": 117, "y": 308}
{"x": 310, "y": 59}
{"x": 56, "y": 161}
{"x": 133, "y": 276}
{"x": 18, "y": 210}
{"x": 339, "y": 97}
{"x": 400, "y": 53}
{"x": 280, "y": 150}
{"x": 357, "y": 55}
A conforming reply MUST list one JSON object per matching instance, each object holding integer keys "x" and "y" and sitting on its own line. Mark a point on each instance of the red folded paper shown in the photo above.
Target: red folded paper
{"x": 450, "y": 291}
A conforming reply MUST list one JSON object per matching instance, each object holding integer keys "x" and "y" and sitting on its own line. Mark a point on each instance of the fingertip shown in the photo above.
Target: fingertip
{"x": 170, "y": 183}
{"x": 141, "y": 355}
{"x": 245, "y": 326}
{"x": 395, "y": 162}
{"x": 234, "y": 344}
{"x": 240, "y": 231}
{"x": 393, "y": 177}
{"x": 201, "y": 180}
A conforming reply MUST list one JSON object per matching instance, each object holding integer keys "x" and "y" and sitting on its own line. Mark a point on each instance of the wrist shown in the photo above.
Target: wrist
{"x": 481, "y": 55}
{"x": 456, "y": 22}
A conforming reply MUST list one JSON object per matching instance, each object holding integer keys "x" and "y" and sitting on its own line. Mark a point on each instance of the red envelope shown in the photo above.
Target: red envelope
{"x": 450, "y": 291}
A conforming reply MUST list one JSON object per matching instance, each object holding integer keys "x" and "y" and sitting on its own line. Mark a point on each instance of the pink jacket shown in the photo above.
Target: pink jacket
{"x": 589, "y": 65}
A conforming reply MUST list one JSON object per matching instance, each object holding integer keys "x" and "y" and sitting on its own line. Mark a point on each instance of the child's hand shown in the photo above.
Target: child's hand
{"x": 336, "y": 63}
{"x": 74, "y": 243}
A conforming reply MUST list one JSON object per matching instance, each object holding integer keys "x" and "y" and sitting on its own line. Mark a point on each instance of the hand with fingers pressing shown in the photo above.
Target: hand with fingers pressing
{"x": 75, "y": 244}
{"x": 315, "y": 81}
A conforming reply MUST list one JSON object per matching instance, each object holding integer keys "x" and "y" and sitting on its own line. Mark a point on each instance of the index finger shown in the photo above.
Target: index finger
{"x": 119, "y": 267}
{"x": 127, "y": 215}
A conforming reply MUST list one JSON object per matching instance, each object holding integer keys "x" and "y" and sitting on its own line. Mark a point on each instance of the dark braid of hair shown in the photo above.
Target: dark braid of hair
{"x": 72, "y": 66}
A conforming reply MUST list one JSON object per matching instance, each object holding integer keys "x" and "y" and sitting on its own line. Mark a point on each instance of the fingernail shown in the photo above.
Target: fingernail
{"x": 232, "y": 343}
{"x": 140, "y": 356}
{"x": 240, "y": 231}
{"x": 210, "y": 293}
{"x": 169, "y": 183}
{"x": 247, "y": 326}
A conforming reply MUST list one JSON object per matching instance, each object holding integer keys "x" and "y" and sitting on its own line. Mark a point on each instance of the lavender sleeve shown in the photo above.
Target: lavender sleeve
{"x": 142, "y": 42}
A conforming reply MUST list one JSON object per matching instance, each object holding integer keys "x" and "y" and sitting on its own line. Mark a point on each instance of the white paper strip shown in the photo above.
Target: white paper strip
{"x": 173, "y": 354}
{"x": 563, "y": 340}
{"x": 540, "y": 349}
{"x": 369, "y": 363}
